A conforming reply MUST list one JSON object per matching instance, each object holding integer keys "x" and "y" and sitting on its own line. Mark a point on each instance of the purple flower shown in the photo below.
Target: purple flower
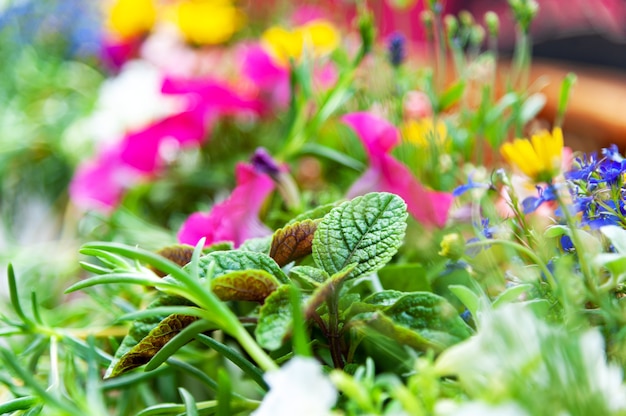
{"x": 547, "y": 194}
{"x": 396, "y": 46}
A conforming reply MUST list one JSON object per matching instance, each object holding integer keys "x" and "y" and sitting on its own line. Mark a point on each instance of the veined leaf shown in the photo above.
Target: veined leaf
{"x": 275, "y": 319}
{"x": 238, "y": 260}
{"x": 293, "y": 241}
{"x": 248, "y": 285}
{"x": 421, "y": 320}
{"x": 313, "y": 214}
{"x": 142, "y": 327}
{"x": 179, "y": 254}
{"x": 311, "y": 275}
{"x": 367, "y": 230}
{"x": 144, "y": 350}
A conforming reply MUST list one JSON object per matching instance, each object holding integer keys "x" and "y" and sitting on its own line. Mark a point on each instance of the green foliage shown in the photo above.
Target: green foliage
{"x": 367, "y": 230}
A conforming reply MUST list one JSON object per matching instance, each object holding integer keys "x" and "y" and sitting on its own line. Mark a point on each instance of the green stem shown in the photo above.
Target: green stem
{"x": 333, "y": 328}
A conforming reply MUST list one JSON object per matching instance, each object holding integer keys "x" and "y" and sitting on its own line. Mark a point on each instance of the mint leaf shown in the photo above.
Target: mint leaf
{"x": 275, "y": 319}
{"x": 236, "y": 260}
{"x": 367, "y": 230}
{"x": 248, "y": 285}
{"x": 421, "y": 320}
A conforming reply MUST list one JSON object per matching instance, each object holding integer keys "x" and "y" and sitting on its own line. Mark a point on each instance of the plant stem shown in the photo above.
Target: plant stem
{"x": 333, "y": 328}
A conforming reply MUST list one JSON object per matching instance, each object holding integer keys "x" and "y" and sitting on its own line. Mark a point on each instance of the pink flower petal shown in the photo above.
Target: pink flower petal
{"x": 237, "y": 218}
{"x": 386, "y": 174}
{"x": 100, "y": 183}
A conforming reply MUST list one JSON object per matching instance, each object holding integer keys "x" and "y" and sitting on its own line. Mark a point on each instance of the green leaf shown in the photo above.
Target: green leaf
{"x": 275, "y": 319}
{"x": 246, "y": 285}
{"x": 405, "y": 277}
{"x": 178, "y": 253}
{"x": 367, "y": 230}
{"x": 237, "y": 260}
{"x": 511, "y": 294}
{"x": 21, "y": 403}
{"x": 332, "y": 154}
{"x": 142, "y": 327}
{"x": 309, "y": 275}
{"x": 314, "y": 214}
{"x": 617, "y": 236}
{"x": 293, "y": 241}
{"x": 258, "y": 244}
{"x": 451, "y": 96}
{"x": 467, "y": 297}
{"x": 421, "y": 320}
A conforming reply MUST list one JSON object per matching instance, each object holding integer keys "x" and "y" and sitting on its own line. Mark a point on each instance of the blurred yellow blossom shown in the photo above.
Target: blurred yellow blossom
{"x": 129, "y": 18}
{"x": 318, "y": 37}
{"x": 539, "y": 158}
{"x": 424, "y": 133}
{"x": 207, "y": 22}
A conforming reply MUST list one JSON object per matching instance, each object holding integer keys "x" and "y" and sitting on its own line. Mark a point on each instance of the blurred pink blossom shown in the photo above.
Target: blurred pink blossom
{"x": 386, "y": 174}
{"x": 417, "y": 105}
{"x": 237, "y": 218}
{"x": 100, "y": 183}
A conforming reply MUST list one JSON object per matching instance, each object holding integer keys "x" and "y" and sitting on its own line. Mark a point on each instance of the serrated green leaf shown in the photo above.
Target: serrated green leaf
{"x": 246, "y": 285}
{"x": 237, "y": 260}
{"x": 309, "y": 275}
{"x": 144, "y": 350}
{"x": 275, "y": 319}
{"x": 421, "y": 320}
{"x": 258, "y": 244}
{"x": 384, "y": 298}
{"x": 367, "y": 230}
{"x": 293, "y": 241}
{"x": 142, "y": 327}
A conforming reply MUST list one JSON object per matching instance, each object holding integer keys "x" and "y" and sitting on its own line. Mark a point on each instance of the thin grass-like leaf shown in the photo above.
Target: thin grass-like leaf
{"x": 246, "y": 366}
{"x": 132, "y": 379}
{"x": 83, "y": 350}
{"x": 223, "y": 394}
{"x": 162, "y": 311}
{"x": 110, "y": 259}
{"x": 128, "y": 278}
{"x": 10, "y": 361}
{"x": 21, "y": 403}
{"x": 14, "y": 296}
{"x": 93, "y": 268}
{"x": 35, "y": 308}
{"x": 189, "y": 402}
{"x": 300, "y": 338}
{"x": 194, "y": 263}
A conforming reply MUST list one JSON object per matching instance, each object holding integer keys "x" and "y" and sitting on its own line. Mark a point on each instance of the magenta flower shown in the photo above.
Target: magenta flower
{"x": 100, "y": 183}
{"x": 386, "y": 174}
{"x": 237, "y": 218}
{"x": 271, "y": 80}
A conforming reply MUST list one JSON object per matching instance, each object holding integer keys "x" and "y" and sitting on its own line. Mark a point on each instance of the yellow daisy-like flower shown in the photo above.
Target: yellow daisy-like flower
{"x": 538, "y": 158}
{"x": 129, "y": 18}
{"x": 318, "y": 37}
{"x": 207, "y": 22}
{"x": 424, "y": 133}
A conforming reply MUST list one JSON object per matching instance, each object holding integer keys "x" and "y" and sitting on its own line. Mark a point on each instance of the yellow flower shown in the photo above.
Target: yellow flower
{"x": 424, "y": 133}
{"x": 130, "y": 18}
{"x": 207, "y": 22}
{"x": 538, "y": 158}
{"x": 318, "y": 37}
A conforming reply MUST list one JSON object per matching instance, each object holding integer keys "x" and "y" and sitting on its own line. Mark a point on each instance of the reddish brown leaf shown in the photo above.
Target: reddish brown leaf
{"x": 293, "y": 241}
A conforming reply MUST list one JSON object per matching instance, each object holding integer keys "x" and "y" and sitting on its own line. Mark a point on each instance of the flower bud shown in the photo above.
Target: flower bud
{"x": 452, "y": 246}
{"x": 492, "y": 21}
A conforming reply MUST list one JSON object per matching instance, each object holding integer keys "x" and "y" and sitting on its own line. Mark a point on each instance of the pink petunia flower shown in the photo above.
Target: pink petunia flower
{"x": 237, "y": 218}
{"x": 386, "y": 174}
{"x": 100, "y": 183}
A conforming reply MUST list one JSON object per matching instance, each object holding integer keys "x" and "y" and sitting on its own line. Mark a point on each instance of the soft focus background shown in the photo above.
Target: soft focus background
{"x": 65, "y": 90}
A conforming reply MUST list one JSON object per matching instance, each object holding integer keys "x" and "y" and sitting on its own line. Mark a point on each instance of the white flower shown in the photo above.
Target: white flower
{"x": 450, "y": 408}
{"x": 298, "y": 388}
{"x": 518, "y": 357}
